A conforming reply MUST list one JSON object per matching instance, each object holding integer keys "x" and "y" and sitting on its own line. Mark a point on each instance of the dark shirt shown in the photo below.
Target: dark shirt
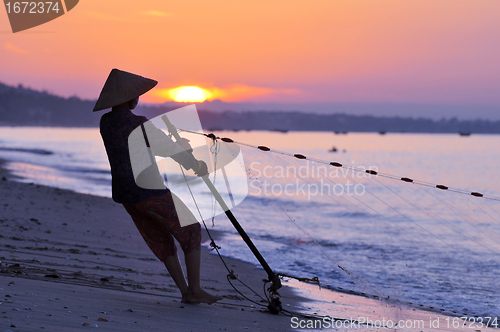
{"x": 115, "y": 128}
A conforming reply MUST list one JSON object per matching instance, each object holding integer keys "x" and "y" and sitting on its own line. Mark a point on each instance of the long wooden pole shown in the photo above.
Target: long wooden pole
{"x": 273, "y": 278}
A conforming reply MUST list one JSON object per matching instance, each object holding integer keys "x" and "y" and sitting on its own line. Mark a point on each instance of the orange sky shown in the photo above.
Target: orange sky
{"x": 423, "y": 51}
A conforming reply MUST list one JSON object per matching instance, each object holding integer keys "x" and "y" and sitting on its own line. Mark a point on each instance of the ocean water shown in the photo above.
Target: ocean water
{"x": 354, "y": 231}
{"x": 72, "y": 159}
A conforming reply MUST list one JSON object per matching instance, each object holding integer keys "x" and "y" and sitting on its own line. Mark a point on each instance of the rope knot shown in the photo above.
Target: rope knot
{"x": 214, "y": 245}
{"x": 231, "y": 275}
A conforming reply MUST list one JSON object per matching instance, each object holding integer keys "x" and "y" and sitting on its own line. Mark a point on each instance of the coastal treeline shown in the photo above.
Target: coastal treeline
{"x": 20, "y": 106}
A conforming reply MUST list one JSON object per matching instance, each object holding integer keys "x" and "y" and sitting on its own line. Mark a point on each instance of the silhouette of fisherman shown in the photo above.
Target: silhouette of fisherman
{"x": 152, "y": 210}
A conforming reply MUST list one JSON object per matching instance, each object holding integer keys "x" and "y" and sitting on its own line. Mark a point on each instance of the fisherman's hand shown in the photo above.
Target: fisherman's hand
{"x": 201, "y": 169}
{"x": 184, "y": 143}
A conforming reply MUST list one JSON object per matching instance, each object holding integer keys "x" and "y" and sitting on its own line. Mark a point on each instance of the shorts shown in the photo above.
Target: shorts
{"x": 157, "y": 221}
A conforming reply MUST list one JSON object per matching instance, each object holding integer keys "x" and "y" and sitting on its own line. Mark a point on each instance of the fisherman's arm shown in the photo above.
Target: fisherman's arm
{"x": 163, "y": 146}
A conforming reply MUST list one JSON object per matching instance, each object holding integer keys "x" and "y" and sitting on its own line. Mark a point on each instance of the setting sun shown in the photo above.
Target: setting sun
{"x": 189, "y": 94}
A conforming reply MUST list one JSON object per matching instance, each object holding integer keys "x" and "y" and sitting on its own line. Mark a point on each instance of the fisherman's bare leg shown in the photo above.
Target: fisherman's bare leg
{"x": 195, "y": 293}
{"x": 175, "y": 270}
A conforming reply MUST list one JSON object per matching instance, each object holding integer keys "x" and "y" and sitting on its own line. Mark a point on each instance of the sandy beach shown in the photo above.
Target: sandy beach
{"x": 71, "y": 261}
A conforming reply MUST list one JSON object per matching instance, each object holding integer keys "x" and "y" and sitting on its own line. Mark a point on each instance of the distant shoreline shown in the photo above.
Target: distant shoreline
{"x": 284, "y": 131}
{"x": 20, "y": 106}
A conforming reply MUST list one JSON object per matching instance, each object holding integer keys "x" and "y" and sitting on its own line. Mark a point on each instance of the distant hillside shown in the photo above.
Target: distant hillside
{"x": 25, "y": 107}
{"x": 297, "y": 121}
{"x": 341, "y": 123}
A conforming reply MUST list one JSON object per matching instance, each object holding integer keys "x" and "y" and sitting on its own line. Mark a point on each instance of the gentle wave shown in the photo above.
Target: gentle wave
{"x": 33, "y": 151}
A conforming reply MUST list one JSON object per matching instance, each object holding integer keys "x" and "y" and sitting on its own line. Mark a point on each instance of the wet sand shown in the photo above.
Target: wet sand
{"x": 71, "y": 261}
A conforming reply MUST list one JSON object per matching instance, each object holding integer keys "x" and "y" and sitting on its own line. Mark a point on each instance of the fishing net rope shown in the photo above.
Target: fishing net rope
{"x": 403, "y": 241}
{"x": 375, "y": 234}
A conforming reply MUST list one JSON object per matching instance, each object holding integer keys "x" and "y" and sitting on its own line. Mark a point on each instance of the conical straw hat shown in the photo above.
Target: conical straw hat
{"x": 121, "y": 87}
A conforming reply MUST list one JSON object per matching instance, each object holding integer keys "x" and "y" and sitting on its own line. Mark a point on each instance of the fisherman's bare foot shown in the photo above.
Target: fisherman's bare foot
{"x": 200, "y": 296}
